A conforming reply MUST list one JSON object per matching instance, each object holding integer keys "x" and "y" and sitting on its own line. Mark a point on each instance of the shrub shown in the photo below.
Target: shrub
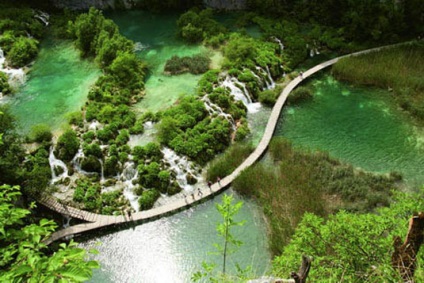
{"x": 23, "y": 51}
{"x": 148, "y": 199}
{"x": 300, "y": 94}
{"x": 41, "y": 133}
{"x": 67, "y": 145}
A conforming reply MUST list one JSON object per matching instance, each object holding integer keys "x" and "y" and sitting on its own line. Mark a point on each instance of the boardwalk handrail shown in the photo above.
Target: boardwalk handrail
{"x": 97, "y": 220}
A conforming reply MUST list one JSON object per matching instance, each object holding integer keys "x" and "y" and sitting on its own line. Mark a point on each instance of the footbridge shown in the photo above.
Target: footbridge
{"x": 96, "y": 221}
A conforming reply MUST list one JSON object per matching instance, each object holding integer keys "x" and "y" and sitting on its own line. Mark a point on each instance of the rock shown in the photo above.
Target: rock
{"x": 191, "y": 180}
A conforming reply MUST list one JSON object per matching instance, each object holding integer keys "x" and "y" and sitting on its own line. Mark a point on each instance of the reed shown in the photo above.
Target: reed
{"x": 227, "y": 162}
{"x": 297, "y": 182}
{"x": 399, "y": 69}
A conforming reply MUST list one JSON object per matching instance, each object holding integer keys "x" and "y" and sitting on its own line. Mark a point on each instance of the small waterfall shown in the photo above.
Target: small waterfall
{"x": 182, "y": 167}
{"x": 240, "y": 93}
{"x": 279, "y": 43}
{"x": 269, "y": 81}
{"x": 54, "y": 162}
{"x": 76, "y": 161}
{"x": 16, "y": 77}
{"x": 138, "y": 46}
{"x": 102, "y": 175}
{"x": 95, "y": 125}
{"x": 213, "y": 109}
{"x": 42, "y": 16}
{"x": 128, "y": 175}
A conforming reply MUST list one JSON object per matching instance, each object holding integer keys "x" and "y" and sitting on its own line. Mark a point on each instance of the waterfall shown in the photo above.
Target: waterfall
{"x": 128, "y": 175}
{"x": 279, "y": 42}
{"x": 240, "y": 93}
{"x": 42, "y": 16}
{"x": 138, "y": 46}
{"x": 102, "y": 168}
{"x": 270, "y": 81}
{"x": 16, "y": 77}
{"x": 54, "y": 162}
{"x": 182, "y": 167}
{"x": 95, "y": 125}
{"x": 67, "y": 221}
{"x": 213, "y": 109}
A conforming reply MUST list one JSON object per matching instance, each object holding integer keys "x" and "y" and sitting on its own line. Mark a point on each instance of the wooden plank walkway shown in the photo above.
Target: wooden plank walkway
{"x": 96, "y": 221}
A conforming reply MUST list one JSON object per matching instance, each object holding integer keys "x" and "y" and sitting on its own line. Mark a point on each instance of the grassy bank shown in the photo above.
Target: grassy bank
{"x": 399, "y": 69}
{"x": 297, "y": 182}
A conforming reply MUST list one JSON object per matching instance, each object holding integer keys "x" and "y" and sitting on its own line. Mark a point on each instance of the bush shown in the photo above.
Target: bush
{"x": 148, "y": 199}
{"x": 67, "y": 146}
{"x": 41, "y": 133}
{"x": 196, "y": 64}
{"x": 4, "y": 84}
{"x": 268, "y": 97}
{"x": 23, "y": 51}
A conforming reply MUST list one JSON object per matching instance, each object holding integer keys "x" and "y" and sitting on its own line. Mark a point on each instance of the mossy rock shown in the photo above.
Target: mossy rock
{"x": 174, "y": 188}
{"x": 191, "y": 180}
{"x": 91, "y": 164}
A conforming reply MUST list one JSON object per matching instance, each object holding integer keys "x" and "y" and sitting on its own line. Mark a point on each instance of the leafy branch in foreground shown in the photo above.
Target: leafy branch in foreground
{"x": 23, "y": 255}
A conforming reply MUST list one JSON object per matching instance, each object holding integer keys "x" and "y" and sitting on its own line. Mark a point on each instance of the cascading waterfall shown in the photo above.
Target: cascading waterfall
{"x": 276, "y": 39}
{"x": 16, "y": 77}
{"x": 128, "y": 176}
{"x": 42, "y": 16}
{"x": 138, "y": 46}
{"x": 102, "y": 168}
{"x": 181, "y": 166}
{"x": 54, "y": 162}
{"x": 240, "y": 93}
{"x": 214, "y": 109}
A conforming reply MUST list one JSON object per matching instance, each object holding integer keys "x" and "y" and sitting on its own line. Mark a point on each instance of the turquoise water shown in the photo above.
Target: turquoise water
{"x": 57, "y": 84}
{"x": 157, "y": 35}
{"x": 171, "y": 249}
{"x": 359, "y": 126}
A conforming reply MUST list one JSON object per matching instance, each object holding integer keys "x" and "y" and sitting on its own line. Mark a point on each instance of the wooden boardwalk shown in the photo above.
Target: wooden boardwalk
{"x": 96, "y": 221}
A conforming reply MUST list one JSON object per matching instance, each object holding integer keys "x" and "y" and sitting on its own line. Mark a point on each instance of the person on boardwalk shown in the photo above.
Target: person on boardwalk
{"x": 210, "y": 185}
{"x": 218, "y": 180}
{"x": 199, "y": 192}
{"x": 301, "y": 75}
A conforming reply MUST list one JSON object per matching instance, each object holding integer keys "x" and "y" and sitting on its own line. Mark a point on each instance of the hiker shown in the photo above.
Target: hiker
{"x": 199, "y": 192}
{"x": 210, "y": 185}
{"x": 301, "y": 75}
{"x": 218, "y": 180}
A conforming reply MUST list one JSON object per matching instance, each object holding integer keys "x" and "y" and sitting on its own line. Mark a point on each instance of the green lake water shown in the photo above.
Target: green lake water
{"x": 359, "y": 126}
{"x": 171, "y": 249}
{"x": 57, "y": 84}
{"x": 157, "y": 35}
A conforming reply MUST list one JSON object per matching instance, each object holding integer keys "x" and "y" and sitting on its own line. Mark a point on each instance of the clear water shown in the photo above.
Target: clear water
{"x": 359, "y": 126}
{"x": 157, "y": 35}
{"x": 171, "y": 249}
{"x": 57, "y": 84}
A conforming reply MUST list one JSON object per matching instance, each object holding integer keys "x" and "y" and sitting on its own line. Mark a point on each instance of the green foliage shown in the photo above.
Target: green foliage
{"x": 11, "y": 151}
{"x": 242, "y": 130}
{"x": 24, "y": 256}
{"x": 75, "y": 118}
{"x": 41, "y": 133}
{"x": 326, "y": 185}
{"x": 4, "y": 84}
{"x": 37, "y": 173}
{"x": 226, "y": 163}
{"x": 196, "y": 64}
{"x": 23, "y": 51}
{"x": 148, "y": 199}
{"x": 88, "y": 194}
{"x": 67, "y": 145}
{"x": 195, "y": 26}
{"x": 355, "y": 247}
{"x": 269, "y": 97}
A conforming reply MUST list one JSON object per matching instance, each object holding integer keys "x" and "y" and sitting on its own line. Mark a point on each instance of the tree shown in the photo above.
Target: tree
{"x": 67, "y": 145}
{"x": 23, "y": 255}
{"x": 23, "y": 51}
{"x": 228, "y": 210}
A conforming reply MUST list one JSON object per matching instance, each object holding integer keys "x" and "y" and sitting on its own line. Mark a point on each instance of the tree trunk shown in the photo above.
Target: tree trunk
{"x": 302, "y": 274}
{"x": 404, "y": 255}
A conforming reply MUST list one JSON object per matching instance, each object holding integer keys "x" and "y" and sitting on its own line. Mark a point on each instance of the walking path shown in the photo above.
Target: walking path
{"x": 96, "y": 221}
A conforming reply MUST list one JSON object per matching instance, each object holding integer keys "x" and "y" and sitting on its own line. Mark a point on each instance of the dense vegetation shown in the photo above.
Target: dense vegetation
{"x": 19, "y": 34}
{"x": 399, "y": 69}
{"x": 327, "y": 185}
{"x": 196, "y": 64}
{"x": 23, "y": 255}
{"x": 352, "y": 247}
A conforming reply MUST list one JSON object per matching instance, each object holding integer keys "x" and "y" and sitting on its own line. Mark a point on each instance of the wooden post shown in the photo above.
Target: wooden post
{"x": 302, "y": 274}
{"x": 404, "y": 255}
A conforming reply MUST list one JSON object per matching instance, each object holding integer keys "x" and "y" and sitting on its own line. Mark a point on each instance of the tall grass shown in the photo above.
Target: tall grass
{"x": 226, "y": 163}
{"x": 299, "y": 182}
{"x": 399, "y": 68}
